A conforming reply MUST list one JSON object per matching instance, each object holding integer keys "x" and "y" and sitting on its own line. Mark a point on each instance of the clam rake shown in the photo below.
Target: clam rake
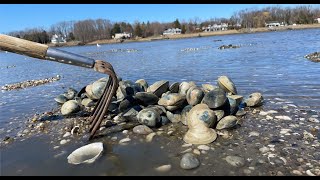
{"x": 41, "y": 51}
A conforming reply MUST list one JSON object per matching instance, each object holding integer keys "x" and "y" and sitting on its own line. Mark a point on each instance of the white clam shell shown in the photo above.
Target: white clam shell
{"x": 86, "y": 154}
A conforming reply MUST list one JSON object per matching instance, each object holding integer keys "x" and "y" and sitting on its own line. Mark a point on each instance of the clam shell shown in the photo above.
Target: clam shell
{"x": 149, "y": 117}
{"x": 194, "y": 95}
{"x": 254, "y": 99}
{"x": 146, "y": 98}
{"x": 172, "y": 99}
{"x": 86, "y": 154}
{"x": 184, "y": 87}
{"x": 227, "y": 122}
{"x": 203, "y": 113}
{"x": 69, "y": 107}
{"x": 227, "y": 84}
{"x": 208, "y": 87}
{"x": 159, "y": 87}
{"x": 142, "y": 84}
{"x": 184, "y": 114}
{"x": 202, "y": 135}
{"x": 174, "y": 88}
{"x": 215, "y": 98}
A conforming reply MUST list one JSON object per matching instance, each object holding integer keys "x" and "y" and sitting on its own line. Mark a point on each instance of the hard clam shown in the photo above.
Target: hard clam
{"x": 227, "y": 84}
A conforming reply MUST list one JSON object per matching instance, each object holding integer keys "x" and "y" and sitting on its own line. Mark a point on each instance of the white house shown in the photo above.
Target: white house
{"x": 272, "y": 24}
{"x": 58, "y": 39}
{"x": 122, "y": 35}
{"x": 216, "y": 27}
{"x": 171, "y": 31}
{"x": 317, "y": 19}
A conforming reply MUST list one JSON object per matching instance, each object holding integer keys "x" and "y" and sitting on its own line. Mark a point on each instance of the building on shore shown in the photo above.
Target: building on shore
{"x": 216, "y": 27}
{"x": 272, "y": 24}
{"x": 55, "y": 39}
{"x": 123, "y": 35}
{"x": 171, "y": 31}
{"x": 317, "y": 20}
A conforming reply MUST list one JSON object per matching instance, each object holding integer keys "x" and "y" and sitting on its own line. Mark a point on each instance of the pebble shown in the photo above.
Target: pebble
{"x": 124, "y": 140}
{"x": 186, "y": 145}
{"x": 125, "y": 131}
{"x": 312, "y": 119}
{"x": 196, "y": 151}
{"x": 142, "y": 129}
{"x": 67, "y": 134}
{"x": 163, "y": 168}
{"x": 63, "y": 141}
{"x": 286, "y": 118}
{"x": 309, "y": 173}
{"x": 235, "y": 161}
{"x": 189, "y": 161}
{"x": 150, "y": 137}
{"x": 296, "y": 172}
{"x": 264, "y": 149}
{"x": 203, "y": 147}
{"x": 187, "y": 150}
{"x": 253, "y": 133}
{"x": 114, "y": 138}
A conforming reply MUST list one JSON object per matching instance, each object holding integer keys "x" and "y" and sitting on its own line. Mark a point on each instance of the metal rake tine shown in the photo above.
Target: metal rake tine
{"x": 99, "y": 104}
{"x": 96, "y": 122}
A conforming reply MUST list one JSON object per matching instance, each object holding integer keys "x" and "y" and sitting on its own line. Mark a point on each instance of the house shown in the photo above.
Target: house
{"x": 58, "y": 39}
{"x": 122, "y": 35}
{"x": 171, "y": 31}
{"x": 317, "y": 20}
{"x": 272, "y": 24}
{"x": 216, "y": 27}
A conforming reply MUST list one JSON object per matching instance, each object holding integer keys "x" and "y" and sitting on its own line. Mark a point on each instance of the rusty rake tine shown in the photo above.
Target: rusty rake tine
{"x": 94, "y": 112}
{"x": 108, "y": 100}
{"x": 101, "y": 105}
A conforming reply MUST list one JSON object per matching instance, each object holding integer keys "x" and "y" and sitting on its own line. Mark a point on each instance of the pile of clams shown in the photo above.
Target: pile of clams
{"x": 204, "y": 109}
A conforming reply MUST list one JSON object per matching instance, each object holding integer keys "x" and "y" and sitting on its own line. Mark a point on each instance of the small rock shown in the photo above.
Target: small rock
{"x": 203, "y": 147}
{"x": 253, "y": 133}
{"x": 196, "y": 151}
{"x": 66, "y": 134}
{"x": 125, "y": 131}
{"x": 63, "y": 141}
{"x": 163, "y": 168}
{"x": 189, "y": 161}
{"x": 296, "y": 172}
{"x": 150, "y": 137}
{"x": 186, "y": 151}
{"x": 235, "y": 161}
{"x": 124, "y": 140}
{"x": 287, "y": 118}
{"x": 264, "y": 149}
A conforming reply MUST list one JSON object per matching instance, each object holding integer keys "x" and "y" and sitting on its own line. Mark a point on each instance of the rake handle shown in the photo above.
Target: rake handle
{"x": 24, "y": 47}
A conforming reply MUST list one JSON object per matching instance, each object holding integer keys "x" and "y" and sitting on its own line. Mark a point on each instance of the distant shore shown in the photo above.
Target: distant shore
{"x": 192, "y": 35}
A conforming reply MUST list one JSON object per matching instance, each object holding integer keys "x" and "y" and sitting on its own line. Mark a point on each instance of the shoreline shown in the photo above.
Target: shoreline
{"x": 191, "y": 35}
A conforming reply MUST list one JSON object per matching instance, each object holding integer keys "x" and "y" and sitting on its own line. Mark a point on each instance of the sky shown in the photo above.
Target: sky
{"x": 15, "y": 17}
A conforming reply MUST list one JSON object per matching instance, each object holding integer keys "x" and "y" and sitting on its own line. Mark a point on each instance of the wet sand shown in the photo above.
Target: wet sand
{"x": 283, "y": 141}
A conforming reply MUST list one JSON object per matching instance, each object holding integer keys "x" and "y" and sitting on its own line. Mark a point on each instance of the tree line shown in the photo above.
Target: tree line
{"x": 90, "y": 30}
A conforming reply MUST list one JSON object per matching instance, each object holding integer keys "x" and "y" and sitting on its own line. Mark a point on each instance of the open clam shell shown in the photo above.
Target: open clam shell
{"x": 86, "y": 154}
{"x": 227, "y": 84}
{"x": 200, "y": 135}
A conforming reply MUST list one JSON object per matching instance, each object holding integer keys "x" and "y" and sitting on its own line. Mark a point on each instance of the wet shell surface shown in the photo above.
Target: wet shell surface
{"x": 146, "y": 98}
{"x": 86, "y": 154}
{"x": 172, "y": 99}
{"x": 149, "y": 117}
{"x": 194, "y": 95}
{"x": 227, "y": 84}
{"x": 69, "y": 107}
{"x": 227, "y": 122}
{"x": 215, "y": 98}
{"x": 159, "y": 87}
{"x": 254, "y": 99}
{"x": 142, "y": 84}
{"x": 174, "y": 87}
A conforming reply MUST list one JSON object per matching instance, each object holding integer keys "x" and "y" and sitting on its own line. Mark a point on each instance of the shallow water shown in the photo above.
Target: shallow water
{"x": 272, "y": 63}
